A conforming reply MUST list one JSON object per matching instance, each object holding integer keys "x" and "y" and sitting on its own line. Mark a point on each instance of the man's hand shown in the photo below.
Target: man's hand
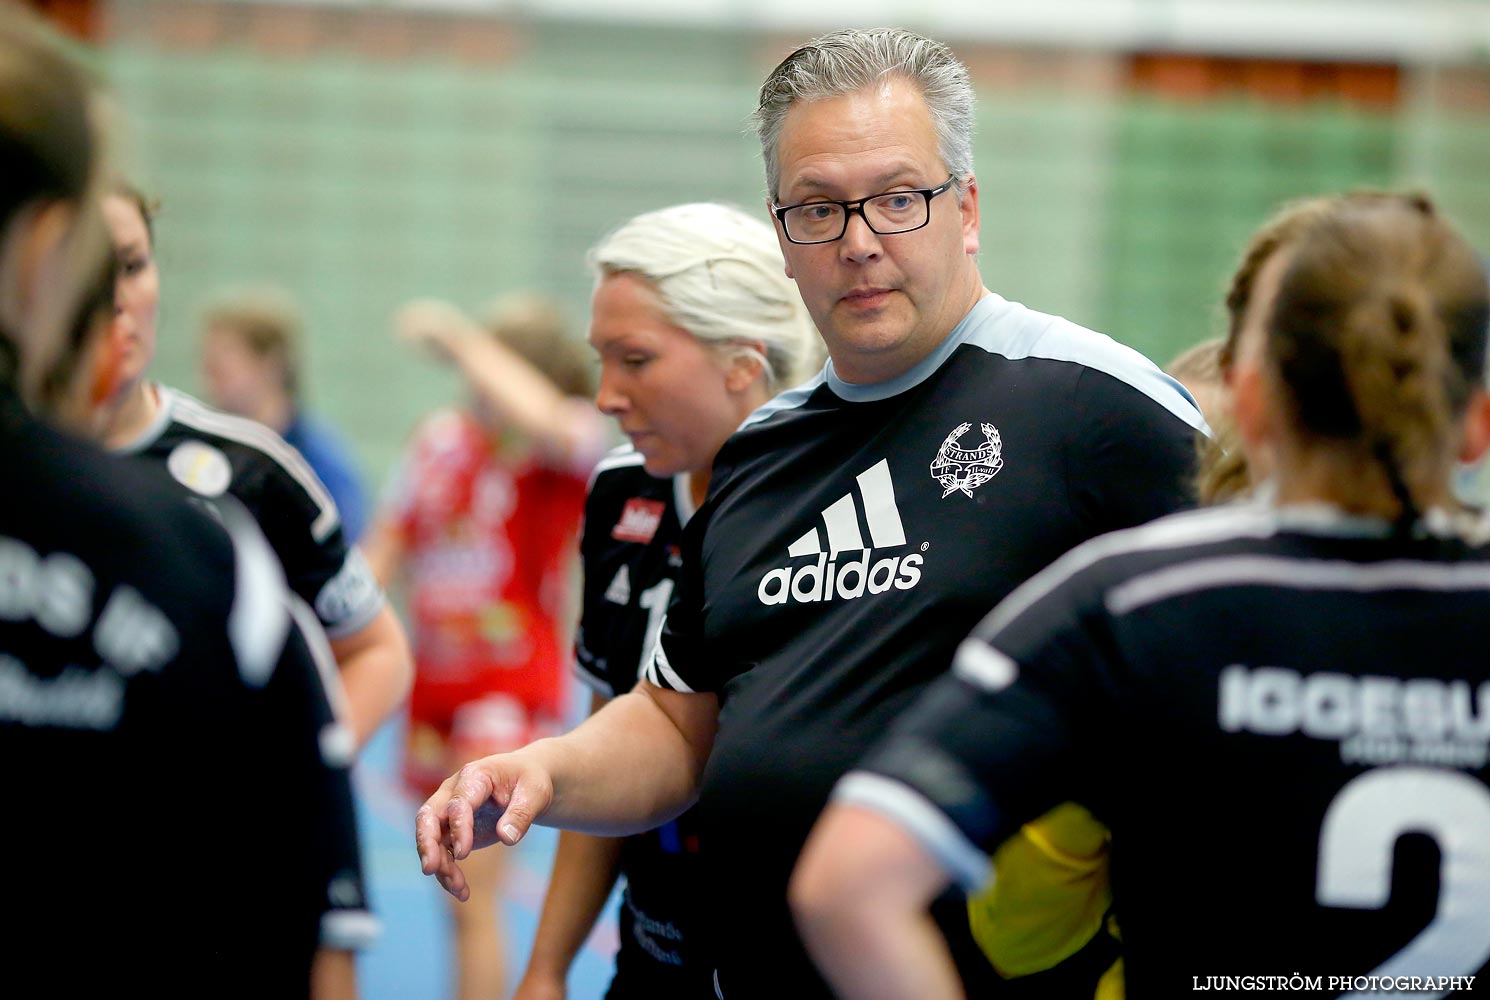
{"x": 495, "y": 799}
{"x": 632, "y": 765}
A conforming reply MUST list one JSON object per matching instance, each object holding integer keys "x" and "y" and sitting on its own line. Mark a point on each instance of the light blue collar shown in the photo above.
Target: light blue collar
{"x": 924, "y": 369}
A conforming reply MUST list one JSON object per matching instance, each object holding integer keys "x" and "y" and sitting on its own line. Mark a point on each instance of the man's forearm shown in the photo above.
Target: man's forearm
{"x": 629, "y": 767}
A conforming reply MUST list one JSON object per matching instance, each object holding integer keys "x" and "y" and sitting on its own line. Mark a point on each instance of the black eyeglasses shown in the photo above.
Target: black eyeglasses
{"x": 885, "y": 214}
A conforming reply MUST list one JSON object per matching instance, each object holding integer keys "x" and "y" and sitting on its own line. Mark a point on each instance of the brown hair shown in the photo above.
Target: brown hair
{"x": 1222, "y": 469}
{"x": 1198, "y": 363}
{"x": 534, "y": 327}
{"x": 268, "y": 324}
{"x": 95, "y": 308}
{"x": 1286, "y": 225}
{"x": 1222, "y": 472}
{"x": 147, "y": 206}
{"x": 1378, "y": 335}
{"x": 48, "y": 143}
{"x": 1221, "y": 466}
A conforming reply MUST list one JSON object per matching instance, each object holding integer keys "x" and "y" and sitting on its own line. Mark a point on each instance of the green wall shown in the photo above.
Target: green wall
{"x": 358, "y": 184}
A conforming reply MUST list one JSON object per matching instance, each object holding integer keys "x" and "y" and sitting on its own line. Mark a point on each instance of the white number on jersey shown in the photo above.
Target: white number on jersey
{"x": 1356, "y": 842}
{"x": 655, "y": 599}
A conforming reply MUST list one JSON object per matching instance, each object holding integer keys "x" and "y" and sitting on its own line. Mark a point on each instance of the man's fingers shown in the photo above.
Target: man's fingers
{"x": 484, "y": 824}
{"x": 459, "y": 820}
{"x": 473, "y": 790}
{"x": 467, "y": 813}
{"x": 428, "y": 838}
{"x": 513, "y": 824}
{"x": 430, "y": 834}
{"x": 512, "y": 827}
{"x": 452, "y": 879}
{"x": 435, "y": 855}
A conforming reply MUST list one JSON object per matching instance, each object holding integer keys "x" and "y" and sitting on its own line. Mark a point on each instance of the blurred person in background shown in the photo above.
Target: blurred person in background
{"x": 213, "y": 453}
{"x": 253, "y": 366}
{"x": 1319, "y": 651}
{"x": 954, "y": 445}
{"x": 696, "y": 325}
{"x": 479, "y": 524}
{"x": 145, "y": 647}
{"x": 1198, "y": 369}
{"x": 1221, "y": 468}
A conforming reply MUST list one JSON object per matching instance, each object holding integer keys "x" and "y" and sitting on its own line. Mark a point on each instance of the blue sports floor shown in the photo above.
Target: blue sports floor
{"x": 412, "y": 959}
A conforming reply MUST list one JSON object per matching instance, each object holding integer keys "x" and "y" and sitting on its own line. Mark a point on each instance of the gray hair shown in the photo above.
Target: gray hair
{"x": 719, "y": 275}
{"x": 848, "y": 61}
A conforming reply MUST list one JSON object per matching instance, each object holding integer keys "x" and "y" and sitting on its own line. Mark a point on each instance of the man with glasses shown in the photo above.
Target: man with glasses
{"x": 856, "y": 527}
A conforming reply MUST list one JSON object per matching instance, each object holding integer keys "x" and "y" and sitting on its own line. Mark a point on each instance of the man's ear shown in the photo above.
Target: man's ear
{"x": 780, "y": 239}
{"x": 968, "y": 205}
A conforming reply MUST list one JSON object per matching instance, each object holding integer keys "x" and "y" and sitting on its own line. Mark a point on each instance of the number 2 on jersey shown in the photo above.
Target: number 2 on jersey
{"x": 1356, "y": 842}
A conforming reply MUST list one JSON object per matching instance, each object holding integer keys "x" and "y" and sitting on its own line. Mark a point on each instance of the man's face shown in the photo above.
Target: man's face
{"x": 882, "y": 303}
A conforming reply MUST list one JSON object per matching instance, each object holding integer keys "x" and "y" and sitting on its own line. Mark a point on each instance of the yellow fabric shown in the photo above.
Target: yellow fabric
{"x": 1049, "y": 895}
{"x": 1111, "y": 985}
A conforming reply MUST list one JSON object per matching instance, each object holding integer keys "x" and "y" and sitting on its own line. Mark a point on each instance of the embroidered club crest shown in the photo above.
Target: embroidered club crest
{"x": 958, "y": 468}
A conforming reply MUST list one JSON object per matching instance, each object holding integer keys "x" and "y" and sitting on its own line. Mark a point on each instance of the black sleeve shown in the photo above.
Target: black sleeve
{"x": 320, "y": 567}
{"x": 1133, "y": 460}
{"x": 589, "y": 665}
{"x": 285, "y": 662}
{"x": 306, "y": 692}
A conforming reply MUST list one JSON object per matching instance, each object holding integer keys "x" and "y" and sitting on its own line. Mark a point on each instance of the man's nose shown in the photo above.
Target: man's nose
{"x": 859, "y": 242}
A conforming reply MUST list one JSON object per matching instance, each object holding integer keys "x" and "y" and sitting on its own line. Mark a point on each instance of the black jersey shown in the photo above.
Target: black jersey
{"x": 181, "y": 812}
{"x": 853, "y": 535}
{"x": 215, "y": 454}
{"x": 1283, "y": 717}
{"x": 631, "y": 551}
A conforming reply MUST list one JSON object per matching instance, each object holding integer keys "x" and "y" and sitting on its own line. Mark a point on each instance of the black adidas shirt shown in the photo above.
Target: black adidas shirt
{"x": 852, "y": 536}
{"x": 181, "y": 817}
{"x": 1283, "y": 716}
{"x": 213, "y": 453}
{"x": 631, "y": 551}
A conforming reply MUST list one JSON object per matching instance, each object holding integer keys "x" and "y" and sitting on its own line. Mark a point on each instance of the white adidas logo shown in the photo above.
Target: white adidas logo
{"x": 826, "y": 579}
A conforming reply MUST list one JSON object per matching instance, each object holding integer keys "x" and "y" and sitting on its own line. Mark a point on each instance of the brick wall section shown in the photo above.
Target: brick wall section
{"x": 306, "y": 30}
